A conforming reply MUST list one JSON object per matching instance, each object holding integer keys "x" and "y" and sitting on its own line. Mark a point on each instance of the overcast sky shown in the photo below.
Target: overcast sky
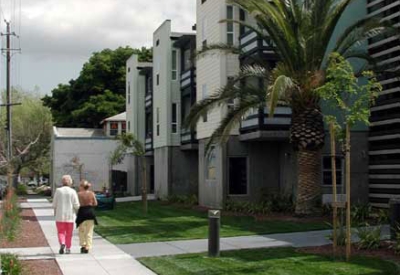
{"x": 58, "y": 36}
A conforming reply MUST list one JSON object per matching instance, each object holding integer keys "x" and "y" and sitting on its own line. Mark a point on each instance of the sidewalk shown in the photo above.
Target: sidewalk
{"x": 299, "y": 239}
{"x": 106, "y": 258}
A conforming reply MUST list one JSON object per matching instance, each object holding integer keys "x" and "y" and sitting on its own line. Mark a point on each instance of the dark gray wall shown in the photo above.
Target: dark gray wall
{"x": 184, "y": 172}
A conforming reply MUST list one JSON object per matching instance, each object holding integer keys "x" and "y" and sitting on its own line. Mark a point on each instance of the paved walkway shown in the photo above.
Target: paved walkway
{"x": 300, "y": 239}
{"x": 106, "y": 258}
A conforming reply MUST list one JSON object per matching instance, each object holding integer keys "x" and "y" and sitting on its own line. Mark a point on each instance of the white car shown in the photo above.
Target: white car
{"x": 32, "y": 184}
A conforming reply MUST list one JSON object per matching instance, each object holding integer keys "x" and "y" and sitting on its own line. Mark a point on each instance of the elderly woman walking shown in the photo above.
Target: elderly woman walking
{"x": 86, "y": 218}
{"x": 65, "y": 204}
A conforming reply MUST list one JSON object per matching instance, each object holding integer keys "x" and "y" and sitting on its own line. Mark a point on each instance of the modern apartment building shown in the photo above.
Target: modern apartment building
{"x": 138, "y": 97}
{"x": 384, "y": 136}
{"x": 159, "y": 97}
{"x": 258, "y": 157}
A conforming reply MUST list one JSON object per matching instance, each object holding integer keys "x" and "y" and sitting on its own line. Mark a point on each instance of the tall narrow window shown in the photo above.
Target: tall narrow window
{"x": 129, "y": 126}
{"x": 129, "y": 93}
{"x": 158, "y": 79}
{"x": 158, "y": 121}
{"x": 327, "y": 170}
{"x": 242, "y": 15}
{"x": 174, "y": 118}
{"x": 230, "y": 30}
{"x": 174, "y": 65}
{"x": 204, "y": 95}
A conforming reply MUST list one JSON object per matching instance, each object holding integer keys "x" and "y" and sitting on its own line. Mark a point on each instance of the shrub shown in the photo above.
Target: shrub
{"x": 361, "y": 212}
{"x": 370, "y": 237}
{"x": 278, "y": 202}
{"x": 396, "y": 245}
{"x": 247, "y": 207}
{"x": 186, "y": 200}
{"x": 22, "y": 190}
{"x": 383, "y": 216}
{"x": 340, "y": 234}
{"x": 9, "y": 217}
{"x": 10, "y": 264}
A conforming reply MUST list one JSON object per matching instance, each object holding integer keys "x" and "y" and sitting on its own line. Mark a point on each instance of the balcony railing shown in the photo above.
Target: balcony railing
{"x": 188, "y": 78}
{"x": 149, "y": 100}
{"x": 149, "y": 144}
{"x": 251, "y": 43}
{"x": 188, "y": 136}
{"x": 259, "y": 120}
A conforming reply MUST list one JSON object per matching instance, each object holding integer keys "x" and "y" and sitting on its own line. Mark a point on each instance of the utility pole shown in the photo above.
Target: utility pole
{"x": 9, "y": 103}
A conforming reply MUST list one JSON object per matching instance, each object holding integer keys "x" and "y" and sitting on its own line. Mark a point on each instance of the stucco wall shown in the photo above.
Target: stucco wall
{"x": 93, "y": 153}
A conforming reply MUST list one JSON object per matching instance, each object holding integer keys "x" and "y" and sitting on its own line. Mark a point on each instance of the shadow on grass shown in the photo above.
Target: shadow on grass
{"x": 170, "y": 222}
{"x": 268, "y": 261}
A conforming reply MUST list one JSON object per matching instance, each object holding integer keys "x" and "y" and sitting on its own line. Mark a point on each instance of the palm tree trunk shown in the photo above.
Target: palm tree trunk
{"x": 307, "y": 137}
{"x": 309, "y": 178}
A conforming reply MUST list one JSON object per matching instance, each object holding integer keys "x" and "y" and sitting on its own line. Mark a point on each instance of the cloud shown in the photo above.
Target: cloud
{"x": 55, "y": 30}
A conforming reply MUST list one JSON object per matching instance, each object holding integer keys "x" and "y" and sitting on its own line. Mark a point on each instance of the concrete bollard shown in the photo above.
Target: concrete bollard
{"x": 394, "y": 218}
{"x": 214, "y": 224}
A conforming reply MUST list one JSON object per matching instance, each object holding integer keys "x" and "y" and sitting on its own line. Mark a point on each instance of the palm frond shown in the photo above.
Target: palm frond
{"x": 278, "y": 91}
{"x": 232, "y": 90}
{"x": 230, "y": 121}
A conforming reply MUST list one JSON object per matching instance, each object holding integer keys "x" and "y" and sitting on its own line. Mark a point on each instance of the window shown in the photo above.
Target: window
{"x": 129, "y": 69}
{"x": 158, "y": 42}
{"x": 158, "y": 121}
{"x": 174, "y": 65}
{"x": 129, "y": 93}
{"x": 113, "y": 128}
{"x": 230, "y": 30}
{"x": 242, "y": 17}
{"x": 327, "y": 170}
{"x": 129, "y": 126}
{"x": 174, "y": 118}
{"x": 158, "y": 79}
{"x": 238, "y": 176}
{"x": 204, "y": 95}
{"x": 231, "y": 102}
{"x": 123, "y": 129}
{"x": 187, "y": 60}
{"x": 211, "y": 173}
{"x": 203, "y": 1}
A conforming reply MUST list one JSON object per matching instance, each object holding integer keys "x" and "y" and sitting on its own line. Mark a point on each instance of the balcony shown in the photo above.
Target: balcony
{"x": 257, "y": 125}
{"x": 149, "y": 100}
{"x": 251, "y": 44}
{"x": 148, "y": 143}
{"x": 188, "y": 79}
{"x": 188, "y": 140}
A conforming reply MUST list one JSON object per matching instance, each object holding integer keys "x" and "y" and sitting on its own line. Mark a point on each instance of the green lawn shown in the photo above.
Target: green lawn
{"x": 279, "y": 261}
{"x": 127, "y": 224}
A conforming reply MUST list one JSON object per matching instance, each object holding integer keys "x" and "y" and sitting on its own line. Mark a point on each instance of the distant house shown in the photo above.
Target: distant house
{"x": 85, "y": 153}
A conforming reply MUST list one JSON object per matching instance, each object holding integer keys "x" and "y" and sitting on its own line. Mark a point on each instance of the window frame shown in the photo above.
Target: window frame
{"x": 174, "y": 69}
{"x": 247, "y": 176}
{"x": 341, "y": 170}
{"x": 230, "y": 27}
{"x": 114, "y": 131}
{"x": 174, "y": 118}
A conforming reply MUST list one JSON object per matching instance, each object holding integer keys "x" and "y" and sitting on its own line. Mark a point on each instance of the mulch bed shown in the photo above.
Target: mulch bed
{"x": 288, "y": 217}
{"x": 384, "y": 253}
{"x": 41, "y": 267}
{"x": 30, "y": 234}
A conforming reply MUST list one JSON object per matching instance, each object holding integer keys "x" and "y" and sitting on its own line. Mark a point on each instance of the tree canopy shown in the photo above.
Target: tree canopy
{"x": 31, "y": 130}
{"x": 97, "y": 93}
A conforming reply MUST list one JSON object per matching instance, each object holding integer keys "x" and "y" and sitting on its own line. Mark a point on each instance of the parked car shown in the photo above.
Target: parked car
{"x": 32, "y": 184}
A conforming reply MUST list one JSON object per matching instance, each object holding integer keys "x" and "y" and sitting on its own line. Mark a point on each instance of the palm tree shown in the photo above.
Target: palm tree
{"x": 301, "y": 32}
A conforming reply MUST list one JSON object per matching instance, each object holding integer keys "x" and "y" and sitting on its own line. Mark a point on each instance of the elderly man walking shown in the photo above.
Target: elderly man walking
{"x": 65, "y": 204}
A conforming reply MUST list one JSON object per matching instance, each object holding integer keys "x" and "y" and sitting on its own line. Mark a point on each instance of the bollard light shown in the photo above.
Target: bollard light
{"x": 214, "y": 222}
